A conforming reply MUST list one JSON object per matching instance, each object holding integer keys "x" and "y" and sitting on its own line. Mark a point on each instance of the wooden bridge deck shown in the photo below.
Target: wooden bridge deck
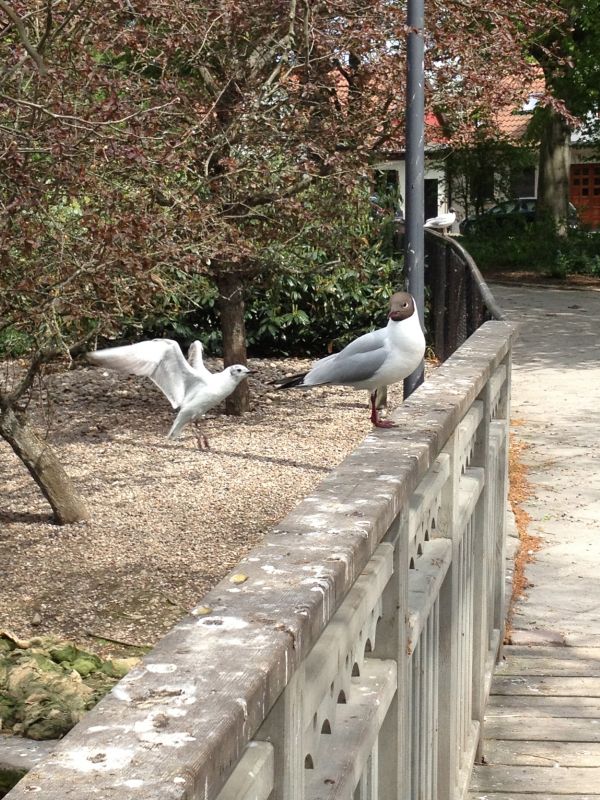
{"x": 541, "y": 738}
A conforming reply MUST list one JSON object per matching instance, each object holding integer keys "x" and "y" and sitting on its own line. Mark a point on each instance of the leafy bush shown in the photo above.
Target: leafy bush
{"x": 314, "y": 294}
{"x": 533, "y": 246}
{"x": 305, "y": 313}
{"x": 537, "y": 247}
{"x": 298, "y": 312}
{"x": 14, "y": 343}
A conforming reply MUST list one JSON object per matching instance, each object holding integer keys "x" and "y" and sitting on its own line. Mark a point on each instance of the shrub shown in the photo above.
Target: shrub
{"x": 536, "y": 247}
{"x": 298, "y": 312}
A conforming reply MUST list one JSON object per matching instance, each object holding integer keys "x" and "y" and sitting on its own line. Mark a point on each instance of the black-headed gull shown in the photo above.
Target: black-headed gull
{"x": 374, "y": 360}
{"x": 442, "y": 222}
{"x": 191, "y": 390}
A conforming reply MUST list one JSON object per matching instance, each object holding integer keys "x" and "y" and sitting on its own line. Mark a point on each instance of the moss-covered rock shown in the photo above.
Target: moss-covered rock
{"x": 118, "y": 667}
{"x": 46, "y": 686}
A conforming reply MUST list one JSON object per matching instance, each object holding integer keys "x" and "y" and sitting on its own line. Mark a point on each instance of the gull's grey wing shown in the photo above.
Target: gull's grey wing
{"x": 364, "y": 344}
{"x": 161, "y": 360}
{"x": 346, "y": 368}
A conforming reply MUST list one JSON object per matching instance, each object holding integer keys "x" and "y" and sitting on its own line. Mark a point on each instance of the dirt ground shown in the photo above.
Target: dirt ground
{"x": 167, "y": 520}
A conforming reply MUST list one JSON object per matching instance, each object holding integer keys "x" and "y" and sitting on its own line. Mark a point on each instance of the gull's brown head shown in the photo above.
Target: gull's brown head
{"x": 402, "y": 306}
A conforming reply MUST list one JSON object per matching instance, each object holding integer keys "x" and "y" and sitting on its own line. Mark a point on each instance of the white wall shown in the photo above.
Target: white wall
{"x": 431, "y": 171}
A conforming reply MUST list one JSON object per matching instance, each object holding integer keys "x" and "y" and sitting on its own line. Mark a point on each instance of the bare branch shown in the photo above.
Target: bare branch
{"x": 18, "y": 23}
{"x": 264, "y": 199}
{"x": 80, "y": 120}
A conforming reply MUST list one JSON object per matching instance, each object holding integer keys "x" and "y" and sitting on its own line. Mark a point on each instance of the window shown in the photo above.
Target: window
{"x": 522, "y": 182}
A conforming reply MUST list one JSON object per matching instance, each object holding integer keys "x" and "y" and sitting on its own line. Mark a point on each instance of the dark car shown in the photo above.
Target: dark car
{"x": 511, "y": 214}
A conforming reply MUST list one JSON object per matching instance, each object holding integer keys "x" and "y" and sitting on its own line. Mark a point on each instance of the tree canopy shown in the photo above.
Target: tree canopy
{"x": 569, "y": 54}
{"x": 149, "y": 142}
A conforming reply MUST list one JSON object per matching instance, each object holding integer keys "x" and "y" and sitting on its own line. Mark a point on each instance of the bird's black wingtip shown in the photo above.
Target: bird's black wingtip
{"x": 289, "y": 382}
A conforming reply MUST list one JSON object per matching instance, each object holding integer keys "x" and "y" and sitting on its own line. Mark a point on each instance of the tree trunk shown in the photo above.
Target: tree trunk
{"x": 44, "y": 467}
{"x": 553, "y": 182}
{"x": 231, "y": 309}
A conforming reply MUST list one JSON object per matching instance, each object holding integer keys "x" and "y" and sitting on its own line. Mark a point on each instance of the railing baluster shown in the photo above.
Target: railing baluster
{"x": 283, "y": 729}
{"x": 394, "y": 751}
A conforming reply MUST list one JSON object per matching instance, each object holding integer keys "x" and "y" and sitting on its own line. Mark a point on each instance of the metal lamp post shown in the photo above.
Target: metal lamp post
{"x": 414, "y": 253}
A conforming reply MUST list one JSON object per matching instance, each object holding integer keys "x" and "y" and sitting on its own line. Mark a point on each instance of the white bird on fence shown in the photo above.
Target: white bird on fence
{"x": 442, "y": 221}
{"x": 190, "y": 388}
{"x": 374, "y": 360}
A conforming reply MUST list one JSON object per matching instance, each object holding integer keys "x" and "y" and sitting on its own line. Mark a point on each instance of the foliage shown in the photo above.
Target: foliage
{"x": 149, "y": 143}
{"x": 313, "y": 298}
{"x": 486, "y": 169}
{"x": 144, "y": 143}
{"x": 569, "y": 55}
{"x": 536, "y": 246}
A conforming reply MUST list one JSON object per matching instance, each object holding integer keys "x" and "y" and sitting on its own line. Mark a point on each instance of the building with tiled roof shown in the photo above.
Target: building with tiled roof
{"x": 511, "y": 125}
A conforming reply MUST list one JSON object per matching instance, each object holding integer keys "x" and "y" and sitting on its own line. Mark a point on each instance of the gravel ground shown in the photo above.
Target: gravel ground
{"x": 167, "y": 520}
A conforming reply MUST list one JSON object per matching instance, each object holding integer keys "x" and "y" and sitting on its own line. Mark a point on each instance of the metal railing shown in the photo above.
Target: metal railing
{"x": 459, "y": 299}
{"x": 350, "y": 654}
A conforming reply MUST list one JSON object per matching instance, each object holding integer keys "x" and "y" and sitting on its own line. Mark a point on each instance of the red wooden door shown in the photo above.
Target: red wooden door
{"x": 585, "y": 193}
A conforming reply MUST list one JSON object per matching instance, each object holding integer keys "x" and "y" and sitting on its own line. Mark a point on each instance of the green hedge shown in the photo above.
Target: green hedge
{"x": 537, "y": 247}
{"x": 298, "y": 313}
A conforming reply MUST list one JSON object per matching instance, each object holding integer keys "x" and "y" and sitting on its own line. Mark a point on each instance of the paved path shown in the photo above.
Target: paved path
{"x": 542, "y": 730}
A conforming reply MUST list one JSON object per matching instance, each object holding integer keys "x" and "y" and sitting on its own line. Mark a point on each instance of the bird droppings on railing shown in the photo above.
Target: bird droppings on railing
{"x": 91, "y": 759}
{"x": 121, "y": 692}
{"x": 219, "y": 624}
{"x": 151, "y": 730}
{"x": 161, "y": 668}
{"x": 244, "y": 706}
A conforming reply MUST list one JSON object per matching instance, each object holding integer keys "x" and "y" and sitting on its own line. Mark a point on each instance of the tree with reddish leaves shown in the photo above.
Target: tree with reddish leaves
{"x": 569, "y": 55}
{"x": 148, "y": 143}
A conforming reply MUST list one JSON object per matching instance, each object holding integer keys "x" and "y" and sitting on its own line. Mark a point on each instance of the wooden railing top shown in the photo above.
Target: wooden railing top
{"x": 177, "y": 724}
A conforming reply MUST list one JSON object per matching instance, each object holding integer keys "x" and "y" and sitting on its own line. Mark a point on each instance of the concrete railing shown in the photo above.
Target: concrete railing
{"x": 350, "y": 654}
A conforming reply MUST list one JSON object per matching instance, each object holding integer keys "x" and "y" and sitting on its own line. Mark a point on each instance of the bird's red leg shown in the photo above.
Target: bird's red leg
{"x": 375, "y": 418}
{"x": 201, "y": 438}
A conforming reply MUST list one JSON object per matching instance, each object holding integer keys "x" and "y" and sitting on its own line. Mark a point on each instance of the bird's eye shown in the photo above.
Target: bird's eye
{"x": 404, "y": 305}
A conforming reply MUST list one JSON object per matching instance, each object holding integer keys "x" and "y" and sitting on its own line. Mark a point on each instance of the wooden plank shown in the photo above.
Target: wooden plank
{"x": 529, "y": 796}
{"x": 549, "y": 754}
{"x": 543, "y": 730}
{"x": 543, "y": 707}
{"x": 552, "y": 686}
{"x": 554, "y": 666}
{"x": 252, "y": 779}
{"x": 524, "y": 780}
{"x": 548, "y": 651}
